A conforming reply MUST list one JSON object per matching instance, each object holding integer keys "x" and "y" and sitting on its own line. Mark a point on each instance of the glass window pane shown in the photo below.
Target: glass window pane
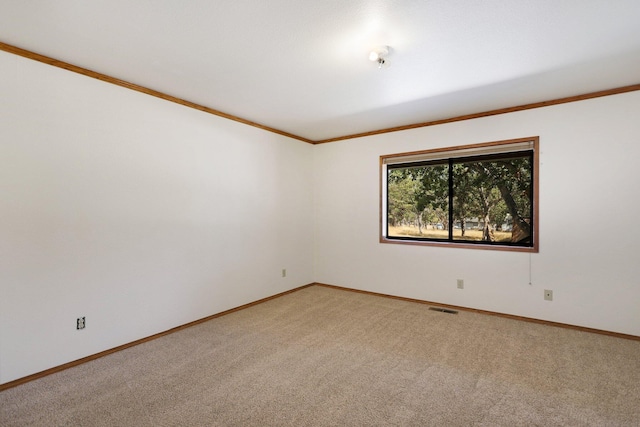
{"x": 471, "y": 196}
{"x": 492, "y": 199}
{"x": 417, "y": 205}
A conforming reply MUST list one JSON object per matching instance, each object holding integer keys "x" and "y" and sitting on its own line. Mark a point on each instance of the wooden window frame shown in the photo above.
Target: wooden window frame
{"x": 463, "y": 151}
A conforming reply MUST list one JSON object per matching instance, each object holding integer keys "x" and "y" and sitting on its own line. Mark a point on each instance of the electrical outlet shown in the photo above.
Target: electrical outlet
{"x": 80, "y": 324}
{"x": 548, "y": 295}
{"x": 284, "y": 272}
{"x": 460, "y": 284}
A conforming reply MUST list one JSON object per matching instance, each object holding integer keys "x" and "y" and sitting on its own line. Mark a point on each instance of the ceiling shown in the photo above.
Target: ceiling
{"x": 302, "y": 66}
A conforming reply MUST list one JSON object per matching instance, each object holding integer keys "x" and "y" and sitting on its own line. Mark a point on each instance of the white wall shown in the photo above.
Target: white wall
{"x": 589, "y": 210}
{"x": 137, "y": 213}
{"x": 143, "y": 215}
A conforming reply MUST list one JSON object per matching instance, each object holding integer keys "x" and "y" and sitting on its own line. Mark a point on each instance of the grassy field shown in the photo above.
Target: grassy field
{"x": 406, "y": 231}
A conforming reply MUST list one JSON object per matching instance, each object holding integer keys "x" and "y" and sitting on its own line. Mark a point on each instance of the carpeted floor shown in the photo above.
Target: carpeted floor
{"x": 327, "y": 357}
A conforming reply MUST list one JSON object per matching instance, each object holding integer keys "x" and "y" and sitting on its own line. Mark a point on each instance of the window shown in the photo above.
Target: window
{"x": 477, "y": 196}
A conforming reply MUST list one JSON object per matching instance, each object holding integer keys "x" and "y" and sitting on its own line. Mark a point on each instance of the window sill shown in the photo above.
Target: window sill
{"x": 461, "y": 245}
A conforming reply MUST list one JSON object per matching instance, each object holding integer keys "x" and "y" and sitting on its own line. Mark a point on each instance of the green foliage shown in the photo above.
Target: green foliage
{"x": 418, "y": 195}
{"x": 402, "y": 193}
{"x": 492, "y": 191}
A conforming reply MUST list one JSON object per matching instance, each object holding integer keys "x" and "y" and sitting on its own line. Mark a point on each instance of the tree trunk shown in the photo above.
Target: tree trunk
{"x": 521, "y": 229}
{"x": 487, "y": 233}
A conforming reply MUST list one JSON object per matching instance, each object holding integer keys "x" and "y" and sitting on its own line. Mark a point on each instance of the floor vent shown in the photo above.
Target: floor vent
{"x": 443, "y": 310}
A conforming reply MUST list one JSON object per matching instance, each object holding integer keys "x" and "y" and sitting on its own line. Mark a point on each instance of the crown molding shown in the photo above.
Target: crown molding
{"x": 523, "y": 107}
{"x": 122, "y": 83}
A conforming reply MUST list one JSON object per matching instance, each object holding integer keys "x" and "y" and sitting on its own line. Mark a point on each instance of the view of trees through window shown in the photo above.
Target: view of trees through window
{"x": 482, "y": 199}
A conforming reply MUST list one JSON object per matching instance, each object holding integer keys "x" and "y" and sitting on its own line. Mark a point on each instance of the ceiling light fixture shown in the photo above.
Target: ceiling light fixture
{"x": 378, "y": 55}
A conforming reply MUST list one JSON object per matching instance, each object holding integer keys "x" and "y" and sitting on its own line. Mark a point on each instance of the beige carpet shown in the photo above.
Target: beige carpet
{"x": 326, "y": 357}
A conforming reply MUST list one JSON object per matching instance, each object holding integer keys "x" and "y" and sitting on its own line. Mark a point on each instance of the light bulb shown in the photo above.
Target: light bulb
{"x": 378, "y": 54}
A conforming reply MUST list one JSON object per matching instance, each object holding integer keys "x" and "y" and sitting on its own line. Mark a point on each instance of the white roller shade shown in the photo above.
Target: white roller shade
{"x": 452, "y": 153}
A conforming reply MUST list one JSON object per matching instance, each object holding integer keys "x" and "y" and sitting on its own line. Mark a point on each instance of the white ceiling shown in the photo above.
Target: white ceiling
{"x": 302, "y": 66}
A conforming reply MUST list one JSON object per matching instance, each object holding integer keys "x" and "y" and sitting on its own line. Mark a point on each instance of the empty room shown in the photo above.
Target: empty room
{"x": 338, "y": 213}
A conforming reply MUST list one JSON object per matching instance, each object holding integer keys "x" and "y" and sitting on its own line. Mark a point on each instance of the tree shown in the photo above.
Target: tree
{"x": 465, "y": 198}
{"x": 489, "y": 198}
{"x": 417, "y": 194}
{"x": 512, "y": 177}
{"x": 435, "y": 199}
{"x": 491, "y": 190}
{"x": 401, "y": 192}
{"x": 490, "y": 183}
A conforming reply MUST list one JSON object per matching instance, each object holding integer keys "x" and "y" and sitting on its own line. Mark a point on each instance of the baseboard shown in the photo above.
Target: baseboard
{"x": 490, "y": 313}
{"x": 68, "y": 365}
